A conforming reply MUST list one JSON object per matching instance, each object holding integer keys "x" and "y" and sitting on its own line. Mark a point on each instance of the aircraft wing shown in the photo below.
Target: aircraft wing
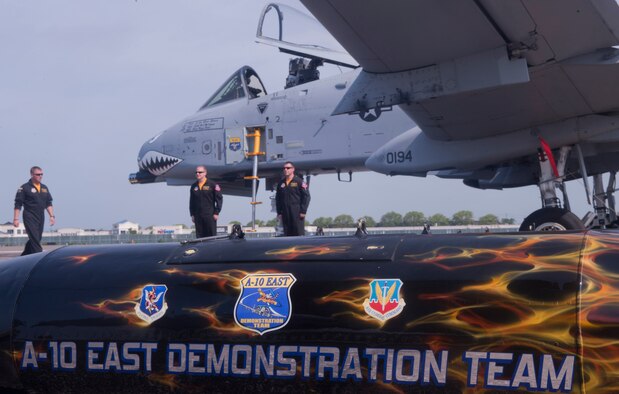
{"x": 465, "y": 69}
{"x": 402, "y": 34}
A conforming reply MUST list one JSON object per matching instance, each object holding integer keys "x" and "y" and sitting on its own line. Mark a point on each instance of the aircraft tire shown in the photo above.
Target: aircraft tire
{"x": 551, "y": 219}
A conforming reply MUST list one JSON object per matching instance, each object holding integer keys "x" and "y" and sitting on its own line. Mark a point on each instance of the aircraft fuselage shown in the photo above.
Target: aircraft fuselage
{"x": 295, "y": 124}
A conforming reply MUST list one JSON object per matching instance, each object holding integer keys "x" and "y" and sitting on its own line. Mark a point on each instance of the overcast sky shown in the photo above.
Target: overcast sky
{"x": 84, "y": 83}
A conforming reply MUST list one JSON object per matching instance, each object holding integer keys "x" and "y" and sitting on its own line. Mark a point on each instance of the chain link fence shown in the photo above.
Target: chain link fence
{"x": 158, "y": 238}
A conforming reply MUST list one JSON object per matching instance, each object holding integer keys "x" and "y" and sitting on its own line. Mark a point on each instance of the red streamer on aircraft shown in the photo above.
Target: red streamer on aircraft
{"x": 549, "y": 155}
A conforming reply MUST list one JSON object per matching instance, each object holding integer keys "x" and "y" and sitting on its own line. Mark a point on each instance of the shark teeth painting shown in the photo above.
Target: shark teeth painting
{"x": 157, "y": 163}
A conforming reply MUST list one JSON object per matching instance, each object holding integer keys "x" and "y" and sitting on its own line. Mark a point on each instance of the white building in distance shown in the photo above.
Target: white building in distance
{"x": 79, "y": 231}
{"x": 177, "y": 229}
{"x": 125, "y": 227}
{"x": 8, "y": 230}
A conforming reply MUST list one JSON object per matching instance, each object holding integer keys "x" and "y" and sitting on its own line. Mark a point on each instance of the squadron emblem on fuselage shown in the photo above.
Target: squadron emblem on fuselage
{"x": 152, "y": 304}
{"x": 264, "y": 303}
{"x": 385, "y": 301}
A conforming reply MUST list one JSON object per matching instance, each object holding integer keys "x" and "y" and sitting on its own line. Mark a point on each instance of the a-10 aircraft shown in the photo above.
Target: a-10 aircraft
{"x": 499, "y": 94}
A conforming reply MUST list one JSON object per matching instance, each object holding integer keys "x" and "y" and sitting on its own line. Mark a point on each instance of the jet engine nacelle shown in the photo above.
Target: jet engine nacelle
{"x": 414, "y": 153}
{"x": 529, "y": 311}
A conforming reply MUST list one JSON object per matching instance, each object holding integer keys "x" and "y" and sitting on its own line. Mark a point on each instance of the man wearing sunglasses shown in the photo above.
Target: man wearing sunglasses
{"x": 205, "y": 200}
{"x": 292, "y": 199}
{"x": 36, "y": 199}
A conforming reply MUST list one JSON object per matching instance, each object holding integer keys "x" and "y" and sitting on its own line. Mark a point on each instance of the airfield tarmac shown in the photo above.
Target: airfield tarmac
{"x": 7, "y": 252}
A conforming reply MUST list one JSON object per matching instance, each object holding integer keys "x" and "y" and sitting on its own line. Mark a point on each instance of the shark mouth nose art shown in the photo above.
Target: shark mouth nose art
{"x": 157, "y": 163}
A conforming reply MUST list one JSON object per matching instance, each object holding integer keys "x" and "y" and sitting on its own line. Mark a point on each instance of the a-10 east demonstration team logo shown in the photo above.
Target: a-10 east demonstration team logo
{"x": 152, "y": 305}
{"x": 384, "y": 302}
{"x": 264, "y": 303}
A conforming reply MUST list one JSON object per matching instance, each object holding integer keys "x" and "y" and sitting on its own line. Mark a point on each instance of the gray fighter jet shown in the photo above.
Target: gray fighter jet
{"x": 497, "y": 93}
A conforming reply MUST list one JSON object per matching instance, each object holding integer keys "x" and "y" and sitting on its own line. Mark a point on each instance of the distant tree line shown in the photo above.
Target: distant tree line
{"x": 394, "y": 219}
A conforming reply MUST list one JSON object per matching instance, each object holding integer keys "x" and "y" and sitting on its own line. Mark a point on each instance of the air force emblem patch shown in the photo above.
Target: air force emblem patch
{"x": 234, "y": 143}
{"x": 384, "y": 302}
{"x": 264, "y": 303}
{"x": 152, "y": 305}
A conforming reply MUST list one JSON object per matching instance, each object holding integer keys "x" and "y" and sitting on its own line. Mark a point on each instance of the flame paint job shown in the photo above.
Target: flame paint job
{"x": 527, "y": 293}
{"x": 320, "y": 250}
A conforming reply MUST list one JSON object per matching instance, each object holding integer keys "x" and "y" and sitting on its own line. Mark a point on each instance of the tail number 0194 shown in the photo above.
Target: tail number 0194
{"x": 399, "y": 157}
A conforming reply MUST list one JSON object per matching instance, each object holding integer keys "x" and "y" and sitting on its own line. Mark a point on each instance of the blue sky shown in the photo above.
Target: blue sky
{"x": 84, "y": 84}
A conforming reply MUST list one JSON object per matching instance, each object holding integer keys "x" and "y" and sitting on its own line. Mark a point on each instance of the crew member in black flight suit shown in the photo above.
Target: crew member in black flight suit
{"x": 292, "y": 199}
{"x": 36, "y": 199}
{"x": 205, "y": 200}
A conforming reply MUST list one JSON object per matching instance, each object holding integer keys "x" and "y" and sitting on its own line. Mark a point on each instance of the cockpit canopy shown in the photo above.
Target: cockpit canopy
{"x": 243, "y": 83}
{"x": 299, "y": 34}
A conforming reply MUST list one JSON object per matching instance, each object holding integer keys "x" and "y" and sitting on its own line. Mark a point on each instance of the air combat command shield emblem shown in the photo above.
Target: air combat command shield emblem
{"x": 264, "y": 303}
{"x": 152, "y": 304}
{"x": 384, "y": 302}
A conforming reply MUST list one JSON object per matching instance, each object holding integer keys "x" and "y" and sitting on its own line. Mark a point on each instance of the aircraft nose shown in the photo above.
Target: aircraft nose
{"x": 142, "y": 153}
{"x": 152, "y": 159}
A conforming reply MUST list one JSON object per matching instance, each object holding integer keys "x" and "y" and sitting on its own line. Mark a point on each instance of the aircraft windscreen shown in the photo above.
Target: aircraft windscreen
{"x": 232, "y": 89}
{"x": 254, "y": 85}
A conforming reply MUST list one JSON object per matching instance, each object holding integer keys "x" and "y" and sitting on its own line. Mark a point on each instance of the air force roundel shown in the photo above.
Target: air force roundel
{"x": 264, "y": 303}
{"x": 152, "y": 305}
{"x": 384, "y": 302}
{"x": 371, "y": 114}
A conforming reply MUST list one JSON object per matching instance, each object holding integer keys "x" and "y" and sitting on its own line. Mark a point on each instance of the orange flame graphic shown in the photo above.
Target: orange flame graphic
{"x": 300, "y": 250}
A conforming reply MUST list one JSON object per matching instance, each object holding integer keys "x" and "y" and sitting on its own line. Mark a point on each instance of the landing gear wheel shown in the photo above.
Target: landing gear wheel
{"x": 551, "y": 219}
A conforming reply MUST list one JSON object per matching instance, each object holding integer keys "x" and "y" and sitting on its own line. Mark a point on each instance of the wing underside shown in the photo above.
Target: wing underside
{"x": 406, "y": 34}
{"x": 466, "y": 69}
